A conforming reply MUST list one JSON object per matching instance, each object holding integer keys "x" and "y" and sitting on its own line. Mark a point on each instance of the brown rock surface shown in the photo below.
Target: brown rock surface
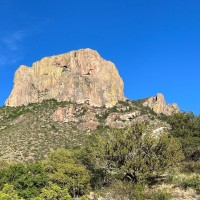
{"x": 158, "y": 105}
{"x": 66, "y": 114}
{"x": 84, "y": 116}
{"x": 78, "y": 76}
{"x": 89, "y": 121}
{"x": 88, "y": 118}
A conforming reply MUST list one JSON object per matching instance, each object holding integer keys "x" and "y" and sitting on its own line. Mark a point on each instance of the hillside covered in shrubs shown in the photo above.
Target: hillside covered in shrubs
{"x": 134, "y": 162}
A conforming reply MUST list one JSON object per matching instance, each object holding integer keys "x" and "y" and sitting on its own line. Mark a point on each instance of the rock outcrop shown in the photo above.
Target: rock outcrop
{"x": 88, "y": 118}
{"x": 78, "y": 76}
{"x": 84, "y": 116}
{"x": 158, "y": 105}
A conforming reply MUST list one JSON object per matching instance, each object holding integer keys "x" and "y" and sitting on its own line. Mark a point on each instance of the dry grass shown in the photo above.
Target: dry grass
{"x": 178, "y": 193}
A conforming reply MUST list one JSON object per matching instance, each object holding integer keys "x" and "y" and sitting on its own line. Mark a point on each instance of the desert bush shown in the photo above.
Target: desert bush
{"x": 27, "y": 180}
{"x": 191, "y": 167}
{"x": 186, "y": 127}
{"x": 131, "y": 154}
{"x": 193, "y": 182}
{"x": 53, "y": 192}
{"x": 8, "y": 193}
{"x": 161, "y": 195}
{"x": 65, "y": 170}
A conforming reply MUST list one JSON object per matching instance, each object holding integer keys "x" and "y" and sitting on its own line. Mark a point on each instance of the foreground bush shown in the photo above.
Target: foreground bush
{"x": 27, "y": 180}
{"x": 193, "y": 182}
{"x": 53, "y": 192}
{"x": 8, "y": 193}
{"x": 65, "y": 170}
{"x": 161, "y": 195}
{"x": 131, "y": 154}
{"x": 186, "y": 127}
{"x": 191, "y": 167}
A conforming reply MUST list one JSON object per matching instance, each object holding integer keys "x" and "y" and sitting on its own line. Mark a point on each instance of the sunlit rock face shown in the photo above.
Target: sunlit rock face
{"x": 78, "y": 76}
{"x": 158, "y": 105}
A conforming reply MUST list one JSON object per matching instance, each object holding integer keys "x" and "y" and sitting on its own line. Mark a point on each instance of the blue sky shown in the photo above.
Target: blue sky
{"x": 155, "y": 44}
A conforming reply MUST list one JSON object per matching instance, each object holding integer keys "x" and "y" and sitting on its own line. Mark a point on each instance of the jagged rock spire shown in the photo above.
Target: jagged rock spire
{"x": 158, "y": 105}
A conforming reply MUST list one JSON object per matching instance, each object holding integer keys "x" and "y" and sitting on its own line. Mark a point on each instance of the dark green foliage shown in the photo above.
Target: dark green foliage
{"x": 102, "y": 117}
{"x": 124, "y": 103}
{"x": 139, "y": 102}
{"x": 161, "y": 195}
{"x": 163, "y": 117}
{"x": 131, "y": 154}
{"x": 138, "y": 192}
{"x": 190, "y": 147}
{"x": 8, "y": 193}
{"x": 143, "y": 109}
{"x": 26, "y": 179}
{"x": 191, "y": 167}
{"x": 53, "y": 192}
{"x": 185, "y": 124}
{"x": 64, "y": 169}
{"x": 14, "y": 113}
{"x": 191, "y": 182}
{"x": 186, "y": 127}
{"x": 123, "y": 160}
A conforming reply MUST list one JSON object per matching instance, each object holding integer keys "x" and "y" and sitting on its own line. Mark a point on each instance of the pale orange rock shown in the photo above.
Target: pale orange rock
{"x": 83, "y": 115}
{"x": 158, "y": 105}
{"x": 78, "y": 76}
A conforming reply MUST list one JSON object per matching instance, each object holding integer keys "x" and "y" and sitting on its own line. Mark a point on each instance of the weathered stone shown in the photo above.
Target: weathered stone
{"x": 88, "y": 125}
{"x": 130, "y": 116}
{"x": 78, "y": 76}
{"x": 83, "y": 115}
{"x": 158, "y": 105}
{"x": 119, "y": 120}
{"x": 90, "y": 122}
{"x": 113, "y": 121}
{"x": 66, "y": 114}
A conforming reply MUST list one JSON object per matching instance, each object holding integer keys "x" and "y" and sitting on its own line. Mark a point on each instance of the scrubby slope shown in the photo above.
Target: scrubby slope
{"x": 31, "y": 132}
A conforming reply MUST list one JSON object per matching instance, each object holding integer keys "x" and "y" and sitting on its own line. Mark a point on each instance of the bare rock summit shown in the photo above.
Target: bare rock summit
{"x": 158, "y": 105}
{"x": 81, "y": 76}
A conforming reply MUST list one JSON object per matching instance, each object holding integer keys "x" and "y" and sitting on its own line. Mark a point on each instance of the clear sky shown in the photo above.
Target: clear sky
{"x": 155, "y": 44}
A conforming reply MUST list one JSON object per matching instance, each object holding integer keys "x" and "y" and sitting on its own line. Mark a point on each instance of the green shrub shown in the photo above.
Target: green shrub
{"x": 138, "y": 192}
{"x": 8, "y": 193}
{"x": 186, "y": 127}
{"x": 65, "y": 170}
{"x": 161, "y": 195}
{"x": 27, "y": 180}
{"x": 191, "y": 167}
{"x": 53, "y": 192}
{"x": 191, "y": 183}
{"x": 131, "y": 154}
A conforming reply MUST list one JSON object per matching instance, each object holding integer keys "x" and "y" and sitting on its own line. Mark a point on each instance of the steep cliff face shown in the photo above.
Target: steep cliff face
{"x": 158, "y": 105}
{"x": 78, "y": 76}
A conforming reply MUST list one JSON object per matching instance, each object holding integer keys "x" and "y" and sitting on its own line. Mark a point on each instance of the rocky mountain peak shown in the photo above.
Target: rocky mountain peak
{"x": 158, "y": 105}
{"x": 81, "y": 76}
